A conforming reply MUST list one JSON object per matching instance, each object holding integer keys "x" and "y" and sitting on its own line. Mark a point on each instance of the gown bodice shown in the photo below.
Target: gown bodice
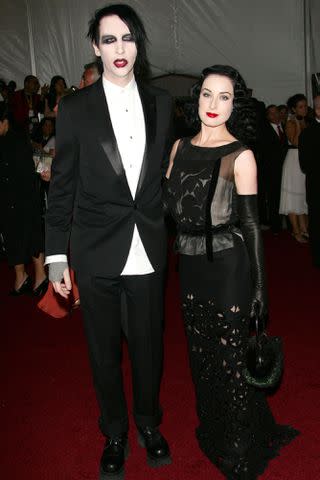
{"x": 201, "y": 196}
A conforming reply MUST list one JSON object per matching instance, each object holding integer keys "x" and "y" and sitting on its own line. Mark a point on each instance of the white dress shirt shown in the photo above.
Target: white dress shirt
{"x": 128, "y": 124}
{"x": 275, "y": 127}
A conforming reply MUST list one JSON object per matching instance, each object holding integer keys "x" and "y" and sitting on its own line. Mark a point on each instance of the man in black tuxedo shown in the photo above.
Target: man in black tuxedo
{"x": 309, "y": 158}
{"x": 273, "y": 149}
{"x": 111, "y": 144}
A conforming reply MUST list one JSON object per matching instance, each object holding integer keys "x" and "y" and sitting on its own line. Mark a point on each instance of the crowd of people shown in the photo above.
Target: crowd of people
{"x": 27, "y": 148}
{"x": 109, "y": 215}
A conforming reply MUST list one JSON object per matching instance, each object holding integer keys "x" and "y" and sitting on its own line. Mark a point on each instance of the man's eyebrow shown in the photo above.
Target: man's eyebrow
{"x": 107, "y": 36}
{"x": 110, "y": 35}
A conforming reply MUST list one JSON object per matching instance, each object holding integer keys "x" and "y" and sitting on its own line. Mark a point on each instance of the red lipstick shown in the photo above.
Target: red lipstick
{"x": 120, "y": 62}
{"x": 212, "y": 115}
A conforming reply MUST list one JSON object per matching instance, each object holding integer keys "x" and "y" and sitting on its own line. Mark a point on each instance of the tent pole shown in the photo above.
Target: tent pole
{"x": 31, "y": 43}
{"x": 307, "y": 49}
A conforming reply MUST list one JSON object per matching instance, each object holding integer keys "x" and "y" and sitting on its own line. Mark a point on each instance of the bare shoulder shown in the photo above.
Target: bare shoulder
{"x": 245, "y": 162}
{"x": 245, "y": 173}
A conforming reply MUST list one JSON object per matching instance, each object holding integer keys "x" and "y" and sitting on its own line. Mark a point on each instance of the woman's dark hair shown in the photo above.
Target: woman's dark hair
{"x": 136, "y": 28}
{"x": 242, "y": 121}
{"x": 294, "y": 100}
{"x": 52, "y": 95}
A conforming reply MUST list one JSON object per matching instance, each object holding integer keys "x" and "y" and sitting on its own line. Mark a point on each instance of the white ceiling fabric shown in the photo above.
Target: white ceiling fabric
{"x": 273, "y": 44}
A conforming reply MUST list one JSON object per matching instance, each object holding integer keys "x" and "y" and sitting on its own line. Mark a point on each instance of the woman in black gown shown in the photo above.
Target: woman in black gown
{"x": 211, "y": 192}
{"x": 20, "y": 215}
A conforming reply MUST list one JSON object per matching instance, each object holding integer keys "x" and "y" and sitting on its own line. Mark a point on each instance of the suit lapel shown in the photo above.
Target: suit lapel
{"x": 100, "y": 117}
{"x": 148, "y": 102}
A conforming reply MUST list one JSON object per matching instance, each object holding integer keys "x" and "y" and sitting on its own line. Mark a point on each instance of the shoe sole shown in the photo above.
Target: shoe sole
{"x": 151, "y": 461}
{"x": 118, "y": 475}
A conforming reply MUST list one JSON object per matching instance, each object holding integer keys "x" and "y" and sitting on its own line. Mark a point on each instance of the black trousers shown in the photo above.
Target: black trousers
{"x": 102, "y": 304}
{"x": 273, "y": 198}
{"x": 314, "y": 230}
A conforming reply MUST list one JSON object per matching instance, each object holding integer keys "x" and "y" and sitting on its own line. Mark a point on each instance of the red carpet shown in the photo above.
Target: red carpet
{"x": 48, "y": 408}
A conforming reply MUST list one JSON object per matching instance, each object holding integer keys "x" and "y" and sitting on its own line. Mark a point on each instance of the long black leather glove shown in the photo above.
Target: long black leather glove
{"x": 249, "y": 223}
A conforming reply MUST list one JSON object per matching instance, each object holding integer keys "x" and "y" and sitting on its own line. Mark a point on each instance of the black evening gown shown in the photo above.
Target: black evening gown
{"x": 20, "y": 213}
{"x": 236, "y": 431}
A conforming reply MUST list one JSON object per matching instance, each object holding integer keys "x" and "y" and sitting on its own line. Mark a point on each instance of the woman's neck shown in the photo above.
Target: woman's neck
{"x": 211, "y": 136}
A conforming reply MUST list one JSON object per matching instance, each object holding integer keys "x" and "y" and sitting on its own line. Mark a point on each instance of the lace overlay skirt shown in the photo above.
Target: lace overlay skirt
{"x": 236, "y": 431}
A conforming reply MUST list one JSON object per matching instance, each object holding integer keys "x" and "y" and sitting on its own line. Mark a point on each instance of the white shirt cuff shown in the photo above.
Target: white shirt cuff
{"x": 56, "y": 258}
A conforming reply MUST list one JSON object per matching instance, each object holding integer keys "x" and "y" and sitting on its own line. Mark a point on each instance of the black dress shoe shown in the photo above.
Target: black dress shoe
{"x": 41, "y": 289}
{"x": 115, "y": 452}
{"x": 158, "y": 452}
{"x": 25, "y": 288}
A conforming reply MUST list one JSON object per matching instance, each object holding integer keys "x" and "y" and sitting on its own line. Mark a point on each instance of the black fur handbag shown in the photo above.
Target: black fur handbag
{"x": 264, "y": 359}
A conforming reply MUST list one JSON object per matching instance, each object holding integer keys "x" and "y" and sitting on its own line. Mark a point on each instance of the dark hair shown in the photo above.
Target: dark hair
{"x": 12, "y": 84}
{"x": 28, "y": 78}
{"x": 242, "y": 121}
{"x": 281, "y": 107}
{"x": 272, "y": 105}
{"x": 128, "y": 15}
{"x": 52, "y": 95}
{"x": 294, "y": 100}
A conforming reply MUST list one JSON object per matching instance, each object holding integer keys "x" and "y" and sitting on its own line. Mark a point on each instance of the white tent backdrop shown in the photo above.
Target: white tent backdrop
{"x": 273, "y": 44}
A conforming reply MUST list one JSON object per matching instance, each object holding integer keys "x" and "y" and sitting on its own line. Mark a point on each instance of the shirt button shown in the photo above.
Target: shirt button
{"x": 127, "y": 110}
{"x": 130, "y": 137}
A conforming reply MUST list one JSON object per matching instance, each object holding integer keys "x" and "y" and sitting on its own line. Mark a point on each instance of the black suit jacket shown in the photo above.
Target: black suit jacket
{"x": 272, "y": 152}
{"x": 89, "y": 196}
{"x": 309, "y": 158}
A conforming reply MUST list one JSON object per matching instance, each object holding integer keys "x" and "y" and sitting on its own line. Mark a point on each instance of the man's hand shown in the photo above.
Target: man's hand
{"x": 59, "y": 276}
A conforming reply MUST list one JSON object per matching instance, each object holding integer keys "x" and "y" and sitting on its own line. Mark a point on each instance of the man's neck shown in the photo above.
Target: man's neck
{"x": 120, "y": 82}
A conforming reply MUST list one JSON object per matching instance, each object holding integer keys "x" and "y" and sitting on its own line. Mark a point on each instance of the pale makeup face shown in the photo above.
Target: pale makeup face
{"x": 216, "y": 100}
{"x": 117, "y": 50}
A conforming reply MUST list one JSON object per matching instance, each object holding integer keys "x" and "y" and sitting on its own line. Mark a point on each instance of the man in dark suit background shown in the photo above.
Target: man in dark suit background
{"x": 25, "y": 104}
{"x": 105, "y": 191}
{"x": 309, "y": 158}
{"x": 273, "y": 149}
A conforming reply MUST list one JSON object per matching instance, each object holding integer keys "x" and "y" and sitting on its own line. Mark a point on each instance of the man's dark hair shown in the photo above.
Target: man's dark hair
{"x": 281, "y": 107}
{"x": 28, "y": 78}
{"x": 271, "y": 106}
{"x": 242, "y": 121}
{"x": 128, "y": 15}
